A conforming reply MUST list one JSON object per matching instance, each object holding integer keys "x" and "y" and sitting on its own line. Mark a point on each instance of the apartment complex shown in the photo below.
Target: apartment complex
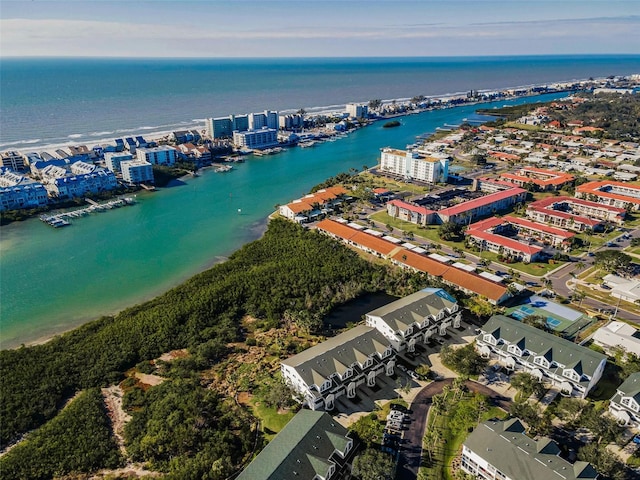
{"x": 263, "y": 138}
{"x": 18, "y": 191}
{"x": 357, "y": 110}
{"x": 574, "y": 369}
{"x": 544, "y": 180}
{"x": 136, "y": 171}
{"x": 162, "y": 155}
{"x": 113, "y": 160}
{"x": 500, "y": 450}
{"x": 411, "y": 165}
{"x": 615, "y": 194}
{"x": 13, "y": 160}
{"x": 311, "y": 446}
{"x": 574, "y": 213}
{"x": 337, "y": 366}
{"x": 416, "y": 318}
{"x": 311, "y": 206}
{"x": 625, "y": 404}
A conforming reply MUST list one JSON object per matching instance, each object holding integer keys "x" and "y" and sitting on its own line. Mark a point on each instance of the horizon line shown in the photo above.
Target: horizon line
{"x": 294, "y": 57}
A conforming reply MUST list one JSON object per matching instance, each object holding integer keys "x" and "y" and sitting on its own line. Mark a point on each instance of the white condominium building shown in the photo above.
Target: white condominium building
{"x": 113, "y": 159}
{"x": 136, "y": 171}
{"x": 263, "y": 138}
{"x": 18, "y": 191}
{"x": 162, "y": 155}
{"x": 410, "y": 165}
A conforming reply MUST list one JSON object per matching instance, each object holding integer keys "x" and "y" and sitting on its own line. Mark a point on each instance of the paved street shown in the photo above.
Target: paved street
{"x": 411, "y": 453}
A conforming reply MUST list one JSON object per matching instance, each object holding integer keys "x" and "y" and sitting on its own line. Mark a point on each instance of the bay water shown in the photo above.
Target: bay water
{"x": 54, "y": 279}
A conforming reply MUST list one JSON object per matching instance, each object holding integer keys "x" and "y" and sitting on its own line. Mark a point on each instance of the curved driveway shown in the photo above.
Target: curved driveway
{"x": 411, "y": 452}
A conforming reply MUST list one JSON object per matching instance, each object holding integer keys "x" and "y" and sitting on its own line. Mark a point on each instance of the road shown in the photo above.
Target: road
{"x": 411, "y": 453}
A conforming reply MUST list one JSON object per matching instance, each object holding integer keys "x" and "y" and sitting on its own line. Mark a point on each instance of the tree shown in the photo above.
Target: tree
{"x": 537, "y": 321}
{"x": 612, "y": 260}
{"x": 605, "y": 462}
{"x": 450, "y": 231}
{"x": 527, "y": 384}
{"x": 373, "y": 464}
{"x": 375, "y": 104}
{"x": 368, "y": 429}
{"x": 464, "y": 360}
{"x": 569, "y": 409}
{"x": 480, "y": 307}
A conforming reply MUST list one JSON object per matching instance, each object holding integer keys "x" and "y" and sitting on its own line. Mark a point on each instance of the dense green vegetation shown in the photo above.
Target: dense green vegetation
{"x": 186, "y": 430}
{"x": 391, "y": 124}
{"x": 464, "y": 360}
{"x": 290, "y": 268}
{"x": 77, "y": 440}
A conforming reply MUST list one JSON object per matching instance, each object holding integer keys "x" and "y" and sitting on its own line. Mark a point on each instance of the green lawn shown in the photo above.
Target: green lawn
{"x": 272, "y": 421}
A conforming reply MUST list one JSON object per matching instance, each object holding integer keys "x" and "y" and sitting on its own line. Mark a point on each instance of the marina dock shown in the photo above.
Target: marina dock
{"x": 62, "y": 219}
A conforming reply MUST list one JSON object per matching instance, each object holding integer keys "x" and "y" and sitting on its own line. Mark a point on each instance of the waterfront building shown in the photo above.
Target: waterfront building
{"x": 113, "y": 159}
{"x": 357, "y": 110}
{"x": 13, "y": 160}
{"x": 311, "y": 446}
{"x": 612, "y": 193}
{"x": 411, "y": 165}
{"x": 544, "y": 180}
{"x": 184, "y": 136}
{"x": 268, "y": 119}
{"x": 77, "y": 180}
{"x": 220, "y": 127}
{"x": 162, "y": 155}
{"x": 625, "y": 403}
{"x": 336, "y": 367}
{"x": 291, "y": 122}
{"x": 573, "y": 369}
{"x": 500, "y": 450}
{"x": 311, "y": 206}
{"x": 416, "y": 318}
{"x": 81, "y": 168}
{"x": 136, "y": 171}
{"x": 18, "y": 191}
{"x": 263, "y": 138}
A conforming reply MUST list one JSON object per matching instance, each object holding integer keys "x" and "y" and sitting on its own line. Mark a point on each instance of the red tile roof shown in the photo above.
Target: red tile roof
{"x": 552, "y": 177}
{"x": 482, "y": 201}
{"x": 595, "y": 189}
{"x": 466, "y": 280}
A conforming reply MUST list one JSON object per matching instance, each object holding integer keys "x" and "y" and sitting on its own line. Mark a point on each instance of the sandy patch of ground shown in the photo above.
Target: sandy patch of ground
{"x": 147, "y": 379}
{"x": 172, "y": 355}
{"x": 119, "y": 418}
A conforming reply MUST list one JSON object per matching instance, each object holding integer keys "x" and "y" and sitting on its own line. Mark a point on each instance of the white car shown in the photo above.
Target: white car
{"x": 413, "y": 374}
{"x": 402, "y": 368}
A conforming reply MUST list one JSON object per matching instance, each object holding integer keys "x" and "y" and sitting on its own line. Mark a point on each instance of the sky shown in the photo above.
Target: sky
{"x": 323, "y": 28}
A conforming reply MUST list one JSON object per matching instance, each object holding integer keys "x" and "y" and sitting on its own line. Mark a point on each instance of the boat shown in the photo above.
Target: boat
{"x": 223, "y": 168}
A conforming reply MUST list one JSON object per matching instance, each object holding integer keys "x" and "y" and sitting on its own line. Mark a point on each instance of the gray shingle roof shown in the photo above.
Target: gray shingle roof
{"x": 582, "y": 360}
{"x": 403, "y": 312}
{"x": 522, "y": 458}
{"x": 629, "y": 388}
{"x": 336, "y": 354}
{"x": 304, "y": 446}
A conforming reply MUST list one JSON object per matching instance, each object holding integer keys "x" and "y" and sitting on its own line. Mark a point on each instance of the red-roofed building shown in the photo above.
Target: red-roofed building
{"x": 500, "y": 235}
{"x": 615, "y": 194}
{"x": 505, "y": 157}
{"x": 483, "y": 206}
{"x": 410, "y": 212}
{"x": 574, "y": 213}
{"x": 466, "y": 281}
{"x": 311, "y": 206}
{"x": 543, "y": 179}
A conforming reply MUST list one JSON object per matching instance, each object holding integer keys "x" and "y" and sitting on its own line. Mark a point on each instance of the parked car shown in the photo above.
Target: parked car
{"x": 402, "y": 368}
{"x": 441, "y": 340}
{"x": 413, "y": 374}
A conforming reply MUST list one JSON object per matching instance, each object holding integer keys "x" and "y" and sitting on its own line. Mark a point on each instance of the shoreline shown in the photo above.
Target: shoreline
{"x": 257, "y": 232}
{"x": 159, "y": 132}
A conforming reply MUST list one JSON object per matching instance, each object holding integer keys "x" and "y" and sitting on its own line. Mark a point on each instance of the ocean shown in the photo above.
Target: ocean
{"x": 69, "y": 101}
{"x": 54, "y": 279}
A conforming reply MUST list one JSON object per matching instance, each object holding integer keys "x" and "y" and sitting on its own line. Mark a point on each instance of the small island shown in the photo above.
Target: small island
{"x": 391, "y": 124}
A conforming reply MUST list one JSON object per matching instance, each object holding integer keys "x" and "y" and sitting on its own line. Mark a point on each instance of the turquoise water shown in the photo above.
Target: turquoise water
{"x": 54, "y": 279}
